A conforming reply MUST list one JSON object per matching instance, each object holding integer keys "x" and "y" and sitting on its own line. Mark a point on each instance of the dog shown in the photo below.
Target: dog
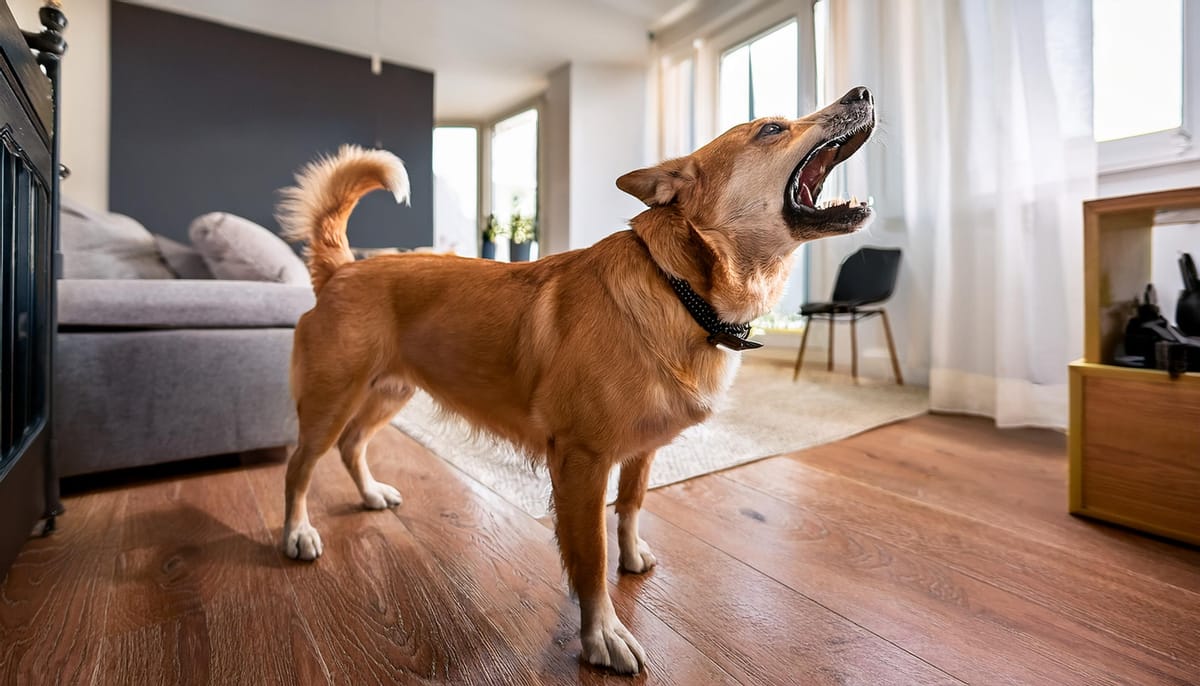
{"x": 584, "y": 359}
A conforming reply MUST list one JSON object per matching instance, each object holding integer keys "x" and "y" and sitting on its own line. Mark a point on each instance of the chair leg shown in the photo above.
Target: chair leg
{"x": 887, "y": 331}
{"x": 829, "y": 364}
{"x": 803, "y": 342}
{"x": 854, "y": 346}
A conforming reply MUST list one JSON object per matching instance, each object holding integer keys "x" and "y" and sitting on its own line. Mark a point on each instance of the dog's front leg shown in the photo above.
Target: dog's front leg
{"x": 579, "y": 480}
{"x": 635, "y": 554}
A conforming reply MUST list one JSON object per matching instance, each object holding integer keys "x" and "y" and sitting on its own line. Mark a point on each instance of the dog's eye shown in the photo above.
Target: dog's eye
{"x": 769, "y": 129}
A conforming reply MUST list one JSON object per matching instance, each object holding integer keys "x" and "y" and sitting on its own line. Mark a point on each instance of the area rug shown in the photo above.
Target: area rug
{"x": 764, "y": 414}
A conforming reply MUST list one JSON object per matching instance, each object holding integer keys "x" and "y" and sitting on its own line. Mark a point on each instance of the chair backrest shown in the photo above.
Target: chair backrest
{"x": 867, "y": 276}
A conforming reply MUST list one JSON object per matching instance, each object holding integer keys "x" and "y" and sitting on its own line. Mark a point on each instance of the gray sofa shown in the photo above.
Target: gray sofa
{"x": 151, "y": 371}
{"x": 152, "y": 368}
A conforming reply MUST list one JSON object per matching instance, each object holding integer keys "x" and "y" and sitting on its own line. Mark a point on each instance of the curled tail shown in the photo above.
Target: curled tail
{"x": 316, "y": 209}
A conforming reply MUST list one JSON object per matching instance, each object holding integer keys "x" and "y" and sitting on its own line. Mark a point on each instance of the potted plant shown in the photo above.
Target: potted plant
{"x": 520, "y": 232}
{"x": 491, "y": 231}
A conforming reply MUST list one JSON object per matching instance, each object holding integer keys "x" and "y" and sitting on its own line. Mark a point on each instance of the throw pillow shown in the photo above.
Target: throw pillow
{"x": 183, "y": 260}
{"x": 238, "y": 249}
{"x": 106, "y": 245}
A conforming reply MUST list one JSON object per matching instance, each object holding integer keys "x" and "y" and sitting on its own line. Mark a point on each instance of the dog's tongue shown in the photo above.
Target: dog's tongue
{"x": 813, "y": 174}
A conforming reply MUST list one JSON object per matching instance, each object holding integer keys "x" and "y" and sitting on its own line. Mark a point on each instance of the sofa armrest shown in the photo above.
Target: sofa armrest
{"x": 175, "y": 304}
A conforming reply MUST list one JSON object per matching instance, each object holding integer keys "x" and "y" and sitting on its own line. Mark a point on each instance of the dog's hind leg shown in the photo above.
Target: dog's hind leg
{"x": 378, "y": 409}
{"x": 320, "y": 424}
{"x": 635, "y": 473}
{"x": 579, "y": 479}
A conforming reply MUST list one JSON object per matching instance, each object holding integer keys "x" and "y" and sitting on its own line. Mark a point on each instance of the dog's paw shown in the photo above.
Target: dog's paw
{"x": 379, "y": 496}
{"x": 637, "y": 558}
{"x": 611, "y": 645}
{"x": 302, "y": 543}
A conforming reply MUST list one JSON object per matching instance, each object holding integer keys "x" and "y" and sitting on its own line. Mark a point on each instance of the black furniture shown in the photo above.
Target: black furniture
{"x": 866, "y": 277}
{"x": 28, "y": 231}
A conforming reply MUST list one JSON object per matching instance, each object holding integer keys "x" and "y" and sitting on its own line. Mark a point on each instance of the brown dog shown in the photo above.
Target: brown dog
{"x": 587, "y": 358}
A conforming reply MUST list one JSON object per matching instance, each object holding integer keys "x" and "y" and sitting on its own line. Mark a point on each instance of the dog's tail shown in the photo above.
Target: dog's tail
{"x": 316, "y": 209}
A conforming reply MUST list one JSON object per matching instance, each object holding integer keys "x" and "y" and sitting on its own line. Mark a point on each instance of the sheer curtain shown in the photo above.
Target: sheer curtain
{"x": 983, "y": 157}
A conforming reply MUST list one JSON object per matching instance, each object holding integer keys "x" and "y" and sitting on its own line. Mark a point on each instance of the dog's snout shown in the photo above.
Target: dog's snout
{"x": 856, "y": 94}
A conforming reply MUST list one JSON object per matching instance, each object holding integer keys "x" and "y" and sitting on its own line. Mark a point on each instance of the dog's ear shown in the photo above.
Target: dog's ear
{"x": 664, "y": 184}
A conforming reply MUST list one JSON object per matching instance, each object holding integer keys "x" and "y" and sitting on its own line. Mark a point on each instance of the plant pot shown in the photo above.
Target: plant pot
{"x": 519, "y": 252}
{"x": 488, "y": 250}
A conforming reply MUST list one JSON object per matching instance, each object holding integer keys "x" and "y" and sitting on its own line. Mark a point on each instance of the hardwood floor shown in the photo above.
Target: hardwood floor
{"x": 934, "y": 551}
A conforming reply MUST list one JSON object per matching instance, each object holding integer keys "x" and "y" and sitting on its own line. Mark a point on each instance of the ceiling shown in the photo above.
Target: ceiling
{"x": 487, "y": 56}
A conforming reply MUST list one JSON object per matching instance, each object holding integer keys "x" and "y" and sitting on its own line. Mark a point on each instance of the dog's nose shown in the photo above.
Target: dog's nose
{"x": 856, "y": 94}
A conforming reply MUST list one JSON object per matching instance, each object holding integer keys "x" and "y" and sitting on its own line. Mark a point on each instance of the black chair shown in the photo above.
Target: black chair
{"x": 866, "y": 277}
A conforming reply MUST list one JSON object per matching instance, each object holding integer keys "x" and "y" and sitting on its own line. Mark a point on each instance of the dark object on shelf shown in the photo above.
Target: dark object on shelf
{"x": 1158, "y": 344}
{"x": 1187, "y": 310}
{"x": 29, "y": 167}
{"x": 866, "y": 277}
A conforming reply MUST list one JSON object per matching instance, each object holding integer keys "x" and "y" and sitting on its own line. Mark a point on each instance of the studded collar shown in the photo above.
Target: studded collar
{"x": 732, "y": 336}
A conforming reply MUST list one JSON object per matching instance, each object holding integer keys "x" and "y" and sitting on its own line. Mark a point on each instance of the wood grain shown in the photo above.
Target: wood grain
{"x": 381, "y": 597}
{"x": 969, "y": 629}
{"x": 754, "y": 627}
{"x": 508, "y": 565}
{"x": 187, "y": 592}
{"x": 931, "y": 551}
{"x": 1151, "y": 625}
{"x": 55, "y": 598}
{"x": 1015, "y": 480}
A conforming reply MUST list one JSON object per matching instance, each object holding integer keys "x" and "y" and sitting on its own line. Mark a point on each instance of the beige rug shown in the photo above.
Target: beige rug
{"x": 765, "y": 414}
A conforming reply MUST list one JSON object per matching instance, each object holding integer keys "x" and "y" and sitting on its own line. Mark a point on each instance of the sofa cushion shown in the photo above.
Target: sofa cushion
{"x": 179, "y": 304}
{"x": 184, "y": 261}
{"x": 106, "y": 245}
{"x": 237, "y": 248}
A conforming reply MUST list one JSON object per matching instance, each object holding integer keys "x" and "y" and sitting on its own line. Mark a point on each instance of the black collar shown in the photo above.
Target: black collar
{"x": 732, "y": 336}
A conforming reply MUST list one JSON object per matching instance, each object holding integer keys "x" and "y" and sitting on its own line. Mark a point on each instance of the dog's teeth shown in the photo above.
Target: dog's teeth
{"x": 854, "y": 201}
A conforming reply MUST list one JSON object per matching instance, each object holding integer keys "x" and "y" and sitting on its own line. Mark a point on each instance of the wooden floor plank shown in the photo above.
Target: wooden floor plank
{"x": 971, "y": 630}
{"x": 1151, "y": 623}
{"x": 1015, "y": 479}
{"x": 754, "y": 627}
{"x": 55, "y": 598}
{"x": 378, "y": 601}
{"x": 938, "y": 543}
{"x": 508, "y": 565}
{"x": 191, "y": 562}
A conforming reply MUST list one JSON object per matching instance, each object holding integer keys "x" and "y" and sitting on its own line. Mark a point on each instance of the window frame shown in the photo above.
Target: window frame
{"x": 486, "y": 134}
{"x": 1172, "y": 146}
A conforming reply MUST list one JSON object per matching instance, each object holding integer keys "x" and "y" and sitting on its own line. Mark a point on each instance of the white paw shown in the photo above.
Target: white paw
{"x": 379, "y": 496}
{"x": 637, "y": 558}
{"x": 302, "y": 543}
{"x": 611, "y": 645}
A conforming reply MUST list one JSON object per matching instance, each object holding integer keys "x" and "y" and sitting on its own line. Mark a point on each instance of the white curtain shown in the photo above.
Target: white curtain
{"x": 983, "y": 158}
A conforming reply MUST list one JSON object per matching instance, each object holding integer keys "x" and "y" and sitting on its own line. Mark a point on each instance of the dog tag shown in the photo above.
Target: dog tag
{"x": 733, "y": 342}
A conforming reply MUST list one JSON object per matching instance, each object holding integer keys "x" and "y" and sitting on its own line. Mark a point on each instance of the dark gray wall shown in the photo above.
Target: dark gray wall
{"x": 210, "y": 118}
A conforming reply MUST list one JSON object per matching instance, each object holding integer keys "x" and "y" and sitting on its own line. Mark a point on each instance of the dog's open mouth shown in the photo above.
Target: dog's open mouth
{"x": 808, "y": 179}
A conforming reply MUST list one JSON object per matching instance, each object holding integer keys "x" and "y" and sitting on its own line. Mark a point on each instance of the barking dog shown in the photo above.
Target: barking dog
{"x": 586, "y": 359}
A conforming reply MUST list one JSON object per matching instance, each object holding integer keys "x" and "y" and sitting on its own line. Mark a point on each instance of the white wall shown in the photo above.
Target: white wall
{"x": 555, "y": 146}
{"x": 85, "y": 94}
{"x": 607, "y": 121}
{"x": 593, "y": 120}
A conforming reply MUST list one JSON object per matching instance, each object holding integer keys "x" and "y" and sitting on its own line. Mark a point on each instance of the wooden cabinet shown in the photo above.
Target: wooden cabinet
{"x": 1134, "y": 436}
{"x": 28, "y": 222}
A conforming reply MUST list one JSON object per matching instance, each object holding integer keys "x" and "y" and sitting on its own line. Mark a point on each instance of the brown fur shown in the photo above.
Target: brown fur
{"x": 585, "y": 359}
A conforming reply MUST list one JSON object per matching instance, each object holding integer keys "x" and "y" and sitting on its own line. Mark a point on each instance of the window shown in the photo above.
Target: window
{"x": 515, "y": 167}
{"x": 456, "y": 189}
{"x": 760, "y": 78}
{"x": 1146, "y": 102}
{"x": 1137, "y": 52}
